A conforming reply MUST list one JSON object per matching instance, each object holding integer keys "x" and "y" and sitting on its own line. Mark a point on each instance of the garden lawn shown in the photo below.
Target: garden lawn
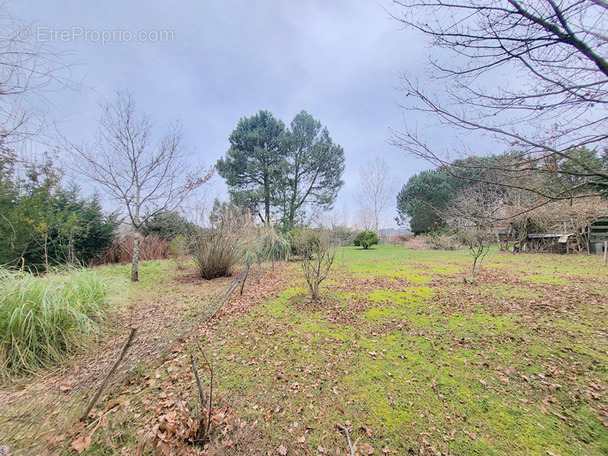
{"x": 414, "y": 360}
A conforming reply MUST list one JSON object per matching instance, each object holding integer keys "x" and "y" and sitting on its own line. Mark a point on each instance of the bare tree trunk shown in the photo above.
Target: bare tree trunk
{"x": 474, "y": 269}
{"x": 135, "y": 262}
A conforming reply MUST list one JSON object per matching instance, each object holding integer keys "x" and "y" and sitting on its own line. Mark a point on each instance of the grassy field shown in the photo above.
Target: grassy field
{"x": 400, "y": 348}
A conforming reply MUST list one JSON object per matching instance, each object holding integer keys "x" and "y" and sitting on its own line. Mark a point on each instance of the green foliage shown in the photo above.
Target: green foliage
{"x": 282, "y": 170}
{"x": 169, "y": 225}
{"x": 42, "y": 319}
{"x": 579, "y": 169}
{"x": 313, "y": 169}
{"x": 424, "y": 199}
{"x": 253, "y": 163}
{"x": 303, "y": 240}
{"x": 179, "y": 249}
{"x": 44, "y": 224}
{"x": 272, "y": 245}
{"x": 224, "y": 212}
{"x": 366, "y": 239}
{"x": 342, "y": 235}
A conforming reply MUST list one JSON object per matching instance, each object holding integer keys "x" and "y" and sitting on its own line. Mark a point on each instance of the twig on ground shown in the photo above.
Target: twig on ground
{"x": 344, "y": 428}
{"x": 105, "y": 381}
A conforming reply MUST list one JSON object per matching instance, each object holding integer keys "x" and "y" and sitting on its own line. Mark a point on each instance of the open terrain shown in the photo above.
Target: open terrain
{"x": 400, "y": 349}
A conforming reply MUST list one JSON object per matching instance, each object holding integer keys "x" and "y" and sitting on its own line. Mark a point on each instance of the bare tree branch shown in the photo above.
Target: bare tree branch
{"x": 533, "y": 75}
{"x": 377, "y": 188}
{"x": 145, "y": 176}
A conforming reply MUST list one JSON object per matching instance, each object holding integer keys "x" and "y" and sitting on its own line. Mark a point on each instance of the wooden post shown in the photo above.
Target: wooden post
{"x": 244, "y": 279}
{"x": 97, "y": 395}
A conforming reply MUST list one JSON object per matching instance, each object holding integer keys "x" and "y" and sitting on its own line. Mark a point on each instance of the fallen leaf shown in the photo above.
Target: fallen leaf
{"x": 367, "y": 448}
{"x": 282, "y": 450}
{"x": 81, "y": 443}
{"x": 559, "y": 415}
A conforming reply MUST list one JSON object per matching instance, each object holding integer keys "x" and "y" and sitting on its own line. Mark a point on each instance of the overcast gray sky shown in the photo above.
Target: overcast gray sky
{"x": 212, "y": 62}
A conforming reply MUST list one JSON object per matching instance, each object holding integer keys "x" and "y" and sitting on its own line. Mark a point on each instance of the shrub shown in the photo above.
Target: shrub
{"x": 443, "y": 240}
{"x": 151, "y": 247}
{"x": 216, "y": 252}
{"x": 169, "y": 225}
{"x": 179, "y": 249}
{"x": 271, "y": 245}
{"x": 42, "y": 319}
{"x": 342, "y": 235}
{"x": 303, "y": 241}
{"x": 366, "y": 239}
{"x": 317, "y": 253}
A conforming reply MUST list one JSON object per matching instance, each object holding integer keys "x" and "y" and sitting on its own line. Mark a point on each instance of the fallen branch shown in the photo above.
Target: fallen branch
{"x": 344, "y": 428}
{"x": 105, "y": 381}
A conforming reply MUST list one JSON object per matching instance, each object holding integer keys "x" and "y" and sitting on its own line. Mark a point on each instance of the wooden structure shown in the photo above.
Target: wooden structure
{"x": 597, "y": 233}
{"x": 550, "y": 242}
{"x": 561, "y": 238}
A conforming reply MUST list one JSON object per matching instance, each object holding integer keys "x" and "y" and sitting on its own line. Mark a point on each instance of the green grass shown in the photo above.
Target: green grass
{"x": 428, "y": 365}
{"x": 418, "y": 361}
{"x": 42, "y": 319}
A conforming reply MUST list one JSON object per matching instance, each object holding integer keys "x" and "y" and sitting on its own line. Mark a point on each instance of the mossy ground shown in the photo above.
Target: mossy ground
{"x": 415, "y": 359}
{"x": 515, "y": 364}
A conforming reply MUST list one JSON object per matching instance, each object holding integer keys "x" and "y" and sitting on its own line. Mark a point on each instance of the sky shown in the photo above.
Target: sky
{"x": 210, "y": 63}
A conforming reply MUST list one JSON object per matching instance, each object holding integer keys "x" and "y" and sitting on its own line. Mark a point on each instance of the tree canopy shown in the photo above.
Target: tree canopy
{"x": 253, "y": 163}
{"x": 423, "y": 200}
{"x": 313, "y": 168}
{"x": 282, "y": 170}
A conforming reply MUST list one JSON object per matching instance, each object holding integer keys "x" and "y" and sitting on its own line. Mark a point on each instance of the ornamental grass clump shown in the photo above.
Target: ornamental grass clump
{"x": 43, "y": 319}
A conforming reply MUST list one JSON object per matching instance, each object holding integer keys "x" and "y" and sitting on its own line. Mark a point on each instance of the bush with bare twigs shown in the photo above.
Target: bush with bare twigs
{"x": 152, "y": 247}
{"x": 442, "y": 240}
{"x": 317, "y": 253}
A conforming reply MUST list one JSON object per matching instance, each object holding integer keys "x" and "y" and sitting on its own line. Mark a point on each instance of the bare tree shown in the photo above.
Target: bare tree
{"x": 365, "y": 218}
{"x": 377, "y": 187}
{"x": 531, "y": 74}
{"x": 145, "y": 176}
{"x": 474, "y": 214}
{"x": 27, "y": 69}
